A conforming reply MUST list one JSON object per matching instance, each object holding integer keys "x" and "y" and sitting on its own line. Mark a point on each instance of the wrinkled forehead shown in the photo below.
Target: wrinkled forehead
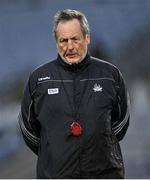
{"x": 68, "y": 27}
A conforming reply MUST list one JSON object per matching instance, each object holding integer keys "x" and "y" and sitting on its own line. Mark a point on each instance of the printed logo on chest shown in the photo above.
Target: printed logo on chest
{"x": 53, "y": 91}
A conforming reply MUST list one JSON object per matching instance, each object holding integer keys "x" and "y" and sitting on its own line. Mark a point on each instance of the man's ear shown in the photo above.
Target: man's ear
{"x": 88, "y": 39}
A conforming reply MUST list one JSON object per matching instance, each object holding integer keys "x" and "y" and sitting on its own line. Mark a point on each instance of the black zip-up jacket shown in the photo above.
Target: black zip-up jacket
{"x": 92, "y": 94}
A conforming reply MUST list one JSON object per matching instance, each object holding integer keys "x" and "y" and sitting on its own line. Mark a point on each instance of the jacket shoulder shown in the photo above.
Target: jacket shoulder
{"x": 41, "y": 73}
{"x": 102, "y": 64}
{"x": 43, "y": 70}
{"x": 44, "y": 67}
{"x": 106, "y": 69}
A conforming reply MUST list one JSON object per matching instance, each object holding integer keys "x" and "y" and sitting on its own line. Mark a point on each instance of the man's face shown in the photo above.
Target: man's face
{"x": 71, "y": 44}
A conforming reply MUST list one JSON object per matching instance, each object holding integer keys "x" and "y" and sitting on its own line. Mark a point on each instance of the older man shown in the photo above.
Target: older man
{"x": 74, "y": 110}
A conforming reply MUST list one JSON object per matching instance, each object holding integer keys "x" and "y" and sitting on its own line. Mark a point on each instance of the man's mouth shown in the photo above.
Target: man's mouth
{"x": 72, "y": 55}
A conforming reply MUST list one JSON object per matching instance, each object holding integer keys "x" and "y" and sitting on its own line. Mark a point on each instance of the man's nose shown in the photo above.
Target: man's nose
{"x": 70, "y": 44}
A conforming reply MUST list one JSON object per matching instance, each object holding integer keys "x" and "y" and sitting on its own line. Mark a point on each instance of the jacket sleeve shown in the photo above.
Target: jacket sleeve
{"x": 29, "y": 126}
{"x": 120, "y": 112}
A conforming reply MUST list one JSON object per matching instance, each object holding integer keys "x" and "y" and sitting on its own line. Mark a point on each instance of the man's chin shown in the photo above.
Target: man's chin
{"x": 73, "y": 61}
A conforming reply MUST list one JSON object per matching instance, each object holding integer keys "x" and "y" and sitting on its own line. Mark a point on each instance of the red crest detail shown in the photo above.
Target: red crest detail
{"x": 76, "y": 129}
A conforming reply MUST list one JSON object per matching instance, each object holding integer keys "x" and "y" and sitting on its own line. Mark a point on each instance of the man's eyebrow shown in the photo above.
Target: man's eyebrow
{"x": 63, "y": 39}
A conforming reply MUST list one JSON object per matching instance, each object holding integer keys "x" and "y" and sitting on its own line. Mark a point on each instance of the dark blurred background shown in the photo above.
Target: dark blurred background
{"x": 120, "y": 31}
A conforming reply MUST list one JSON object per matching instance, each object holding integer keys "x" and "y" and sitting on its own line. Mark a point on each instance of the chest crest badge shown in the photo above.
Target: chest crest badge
{"x": 97, "y": 88}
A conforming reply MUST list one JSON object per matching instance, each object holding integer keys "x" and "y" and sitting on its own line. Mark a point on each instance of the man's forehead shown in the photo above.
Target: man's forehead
{"x": 69, "y": 31}
{"x": 71, "y": 25}
{"x": 69, "y": 36}
{"x": 69, "y": 21}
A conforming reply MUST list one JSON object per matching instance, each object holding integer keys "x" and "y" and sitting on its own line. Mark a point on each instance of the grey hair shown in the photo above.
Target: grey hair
{"x": 69, "y": 14}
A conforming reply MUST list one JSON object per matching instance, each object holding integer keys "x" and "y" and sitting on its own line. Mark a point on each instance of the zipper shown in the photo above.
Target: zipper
{"x": 76, "y": 102}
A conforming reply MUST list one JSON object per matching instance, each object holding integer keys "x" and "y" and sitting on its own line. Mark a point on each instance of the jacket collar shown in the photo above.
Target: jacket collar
{"x": 74, "y": 67}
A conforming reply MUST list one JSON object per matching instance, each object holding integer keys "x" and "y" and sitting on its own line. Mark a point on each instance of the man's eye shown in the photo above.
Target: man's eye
{"x": 63, "y": 40}
{"x": 75, "y": 39}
